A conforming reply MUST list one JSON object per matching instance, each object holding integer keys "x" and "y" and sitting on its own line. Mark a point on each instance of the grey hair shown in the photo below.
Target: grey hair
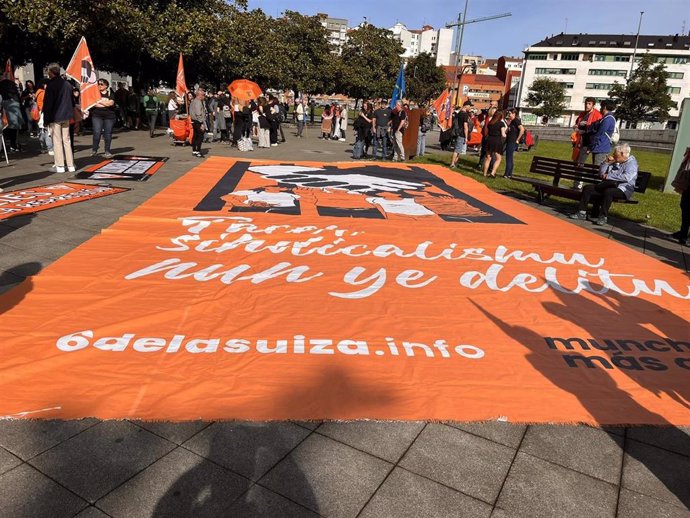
{"x": 54, "y": 69}
{"x": 623, "y": 148}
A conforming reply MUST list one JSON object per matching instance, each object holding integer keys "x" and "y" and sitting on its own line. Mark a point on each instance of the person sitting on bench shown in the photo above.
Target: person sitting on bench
{"x": 618, "y": 173}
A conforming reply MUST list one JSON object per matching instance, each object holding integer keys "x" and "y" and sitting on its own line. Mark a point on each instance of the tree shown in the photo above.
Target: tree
{"x": 547, "y": 97}
{"x": 308, "y": 55}
{"x": 424, "y": 80}
{"x": 645, "y": 97}
{"x": 370, "y": 63}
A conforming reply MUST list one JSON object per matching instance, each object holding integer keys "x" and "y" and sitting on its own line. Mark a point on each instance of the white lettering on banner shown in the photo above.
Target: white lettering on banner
{"x": 222, "y": 235}
{"x": 298, "y": 344}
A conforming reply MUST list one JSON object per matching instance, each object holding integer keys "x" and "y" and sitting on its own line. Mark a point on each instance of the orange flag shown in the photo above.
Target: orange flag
{"x": 81, "y": 69}
{"x": 443, "y": 111}
{"x": 181, "y": 87}
{"x": 9, "y": 70}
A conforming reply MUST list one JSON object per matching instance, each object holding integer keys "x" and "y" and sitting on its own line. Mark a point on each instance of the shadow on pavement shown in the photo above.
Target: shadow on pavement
{"x": 16, "y": 295}
{"x": 591, "y": 383}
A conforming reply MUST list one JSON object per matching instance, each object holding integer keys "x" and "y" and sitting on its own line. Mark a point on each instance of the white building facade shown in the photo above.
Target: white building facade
{"x": 437, "y": 42}
{"x": 588, "y": 65}
{"x": 337, "y": 31}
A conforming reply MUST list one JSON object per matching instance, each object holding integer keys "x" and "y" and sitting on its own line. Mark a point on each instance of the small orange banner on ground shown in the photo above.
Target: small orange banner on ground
{"x": 81, "y": 69}
{"x": 264, "y": 290}
{"x": 43, "y": 197}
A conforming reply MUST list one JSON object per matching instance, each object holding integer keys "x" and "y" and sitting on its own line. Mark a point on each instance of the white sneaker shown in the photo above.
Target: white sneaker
{"x": 274, "y": 145}
{"x": 341, "y": 139}
{"x": 60, "y": 169}
{"x": 71, "y": 169}
{"x": 51, "y": 153}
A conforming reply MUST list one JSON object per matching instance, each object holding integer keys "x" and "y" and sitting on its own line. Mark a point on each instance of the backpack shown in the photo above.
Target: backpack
{"x": 616, "y": 135}
{"x": 151, "y": 103}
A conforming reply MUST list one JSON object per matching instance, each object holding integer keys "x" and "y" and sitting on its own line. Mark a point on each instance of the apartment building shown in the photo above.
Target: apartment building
{"x": 437, "y": 42}
{"x": 337, "y": 30}
{"x": 588, "y": 65}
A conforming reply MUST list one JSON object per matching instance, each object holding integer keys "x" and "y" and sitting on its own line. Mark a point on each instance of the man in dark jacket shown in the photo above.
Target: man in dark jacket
{"x": 57, "y": 111}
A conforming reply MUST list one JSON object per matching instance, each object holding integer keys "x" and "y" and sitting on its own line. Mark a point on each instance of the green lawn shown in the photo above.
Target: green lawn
{"x": 656, "y": 208}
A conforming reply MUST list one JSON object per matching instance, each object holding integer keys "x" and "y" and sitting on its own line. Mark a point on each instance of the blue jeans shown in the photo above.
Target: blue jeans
{"x": 461, "y": 145}
{"x": 381, "y": 138}
{"x": 45, "y": 139}
{"x": 510, "y": 149}
{"x": 105, "y": 126}
{"x": 421, "y": 143}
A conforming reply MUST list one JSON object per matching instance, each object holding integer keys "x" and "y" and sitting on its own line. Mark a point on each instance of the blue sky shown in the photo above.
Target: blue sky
{"x": 531, "y": 20}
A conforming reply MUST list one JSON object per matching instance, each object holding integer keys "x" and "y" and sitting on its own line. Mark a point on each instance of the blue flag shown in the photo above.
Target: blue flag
{"x": 399, "y": 89}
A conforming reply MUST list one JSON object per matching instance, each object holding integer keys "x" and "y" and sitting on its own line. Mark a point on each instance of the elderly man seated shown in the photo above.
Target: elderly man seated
{"x": 618, "y": 173}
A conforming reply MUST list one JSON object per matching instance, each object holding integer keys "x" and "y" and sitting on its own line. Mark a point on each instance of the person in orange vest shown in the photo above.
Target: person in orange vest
{"x": 583, "y": 126}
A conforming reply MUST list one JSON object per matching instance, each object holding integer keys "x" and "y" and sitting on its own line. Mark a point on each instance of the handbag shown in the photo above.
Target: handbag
{"x": 35, "y": 113}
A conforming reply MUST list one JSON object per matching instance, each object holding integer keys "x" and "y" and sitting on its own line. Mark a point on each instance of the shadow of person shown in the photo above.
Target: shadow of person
{"x": 16, "y": 294}
{"x": 254, "y": 448}
{"x": 593, "y": 386}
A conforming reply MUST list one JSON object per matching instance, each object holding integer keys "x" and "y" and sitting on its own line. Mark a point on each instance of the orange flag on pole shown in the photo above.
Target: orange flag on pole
{"x": 9, "y": 70}
{"x": 181, "y": 87}
{"x": 443, "y": 111}
{"x": 81, "y": 69}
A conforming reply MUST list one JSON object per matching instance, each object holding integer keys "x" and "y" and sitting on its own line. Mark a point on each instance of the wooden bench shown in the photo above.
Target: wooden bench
{"x": 566, "y": 174}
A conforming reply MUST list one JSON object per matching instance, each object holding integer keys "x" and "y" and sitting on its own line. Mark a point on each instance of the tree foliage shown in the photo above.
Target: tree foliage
{"x": 370, "y": 63}
{"x": 645, "y": 97}
{"x": 547, "y": 97}
{"x": 424, "y": 80}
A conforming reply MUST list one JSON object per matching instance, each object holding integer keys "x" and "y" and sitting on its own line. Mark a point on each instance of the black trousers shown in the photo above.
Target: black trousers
{"x": 198, "y": 136}
{"x": 602, "y": 195}
{"x": 685, "y": 214}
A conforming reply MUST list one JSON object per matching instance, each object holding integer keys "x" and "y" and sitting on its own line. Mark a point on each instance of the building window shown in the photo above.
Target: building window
{"x": 673, "y": 89}
{"x": 601, "y": 72}
{"x": 599, "y": 86}
{"x": 597, "y": 100}
{"x": 672, "y": 60}
{"x": 567, "y": 98}
{"x": 555, "y": 71}
{"x": 616, "y": 58}
{"x": 570, "y": 56}
{"x": 675, "y": 75}
{"x": 537, "y": 56}
{"x": 568, "y": 85}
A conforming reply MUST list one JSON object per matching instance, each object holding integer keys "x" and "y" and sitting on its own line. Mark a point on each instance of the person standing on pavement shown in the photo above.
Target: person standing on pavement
{"x": 197, "y": 112}
{"x": 151, "y": 102}
{"x": 58, "y": 109}
{"x": 513, "y": 136}
{"x": 103, "y": 119}
{"x": 681, "y": 184}
{"x": 398, "y": 123}
{"x": 495, "y": 135}
{"x": 381, "y": 127}
{"x": 424, "y": 127}
{"x": 460, "y": 130}
{"x": 301, "y": 116}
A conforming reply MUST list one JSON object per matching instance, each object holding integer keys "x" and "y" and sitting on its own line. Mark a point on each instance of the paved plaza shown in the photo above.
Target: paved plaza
{"x": 92, "y": 468}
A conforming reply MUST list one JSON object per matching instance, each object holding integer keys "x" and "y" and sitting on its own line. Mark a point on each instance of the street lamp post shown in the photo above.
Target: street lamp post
{"x": 637, "y": 39}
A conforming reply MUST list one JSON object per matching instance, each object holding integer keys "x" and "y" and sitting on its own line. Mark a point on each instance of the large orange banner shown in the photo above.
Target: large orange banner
{"x": 264, "y": 290}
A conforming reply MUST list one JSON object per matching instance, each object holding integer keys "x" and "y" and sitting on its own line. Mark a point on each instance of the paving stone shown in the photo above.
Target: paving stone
{"x": 24, "y": 492}
{"x": 327, "y": 477}
{"x": 309, "y": 425}
{"x": 250, "y": 449}
{"x": 8, "y": 461}
{"x": 101, "y": 458}
{"x": 657, "y": 473}
{"x": 672, "y": 438}
{"x": 92, "y": 512}
{"x": 406, "y": 495}
{"x": 387, "y": 440}
{"x": 508, "y": 434}
{"x": 26, "y": 438}
{"x": 471, "y": 464}
{"x": 175, "y": 432}
{"x": 537, "y": 488}
{"x": 588, "y": 450}
{"x": 635, "y": 505}
{"x": 259, "y": 502}
{"x": 179, "y": 484}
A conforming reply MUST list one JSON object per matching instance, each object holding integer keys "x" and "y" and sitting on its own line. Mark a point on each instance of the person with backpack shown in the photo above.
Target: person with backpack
{"x": 460, "y": 130}
{"x": 150, "y": 103}
{"x": 584, "y": 124}
{"x": 424, "y": 127}
{"x": 605, "y": 134}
